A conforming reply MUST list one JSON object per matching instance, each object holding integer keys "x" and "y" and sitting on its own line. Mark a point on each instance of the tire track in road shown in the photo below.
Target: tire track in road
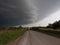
{"x": 25, "y": 39}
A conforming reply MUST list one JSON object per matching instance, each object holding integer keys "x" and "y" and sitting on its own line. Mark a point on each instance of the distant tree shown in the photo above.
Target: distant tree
{"x": 20, "y": 26}
{"x": 35, "y": 28}
{"x": 49, "y": 26}
{"x": 12, "y": 28}
{"x": 55, "y": 25}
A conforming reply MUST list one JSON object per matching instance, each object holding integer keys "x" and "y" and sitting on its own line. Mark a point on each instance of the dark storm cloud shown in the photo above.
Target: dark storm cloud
{"x": 19, "y": 12}
{"x": 7, "y": 10}
{"x": 16, "y": 12}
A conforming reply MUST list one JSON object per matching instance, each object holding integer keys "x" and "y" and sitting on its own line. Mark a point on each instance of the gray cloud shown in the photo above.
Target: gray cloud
{"x": 19, "y": 12}
{"x": 16, "y": 12}
{"x": 46, "y": 7}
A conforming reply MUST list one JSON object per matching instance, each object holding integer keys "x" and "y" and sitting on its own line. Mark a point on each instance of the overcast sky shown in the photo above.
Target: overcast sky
{"x": 33, "y": 12}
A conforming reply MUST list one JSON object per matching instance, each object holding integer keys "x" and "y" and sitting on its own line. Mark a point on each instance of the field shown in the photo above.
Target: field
{"x": 9, "y": 35}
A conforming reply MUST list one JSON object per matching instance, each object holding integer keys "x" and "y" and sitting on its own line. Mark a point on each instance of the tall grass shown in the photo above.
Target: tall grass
{"x": 9, "y": 36}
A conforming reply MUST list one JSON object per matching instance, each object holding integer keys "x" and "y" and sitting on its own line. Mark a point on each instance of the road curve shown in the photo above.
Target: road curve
{"x": 36, "y": 38}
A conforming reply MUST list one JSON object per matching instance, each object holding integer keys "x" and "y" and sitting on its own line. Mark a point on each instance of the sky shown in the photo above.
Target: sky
{"x": 46, "y": 21}
{"x": 29, "y": 12}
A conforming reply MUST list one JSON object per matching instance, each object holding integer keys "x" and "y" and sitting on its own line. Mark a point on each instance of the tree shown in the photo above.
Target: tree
{"x": 55, "y": 25}
{"x": 49, "y": 26}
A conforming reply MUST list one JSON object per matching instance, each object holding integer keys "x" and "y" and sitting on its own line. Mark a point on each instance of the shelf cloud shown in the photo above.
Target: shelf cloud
{"x": 21, "y": 12}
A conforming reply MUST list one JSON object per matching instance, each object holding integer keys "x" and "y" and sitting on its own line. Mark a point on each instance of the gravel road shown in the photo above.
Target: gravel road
{"x": 36, "y": 38}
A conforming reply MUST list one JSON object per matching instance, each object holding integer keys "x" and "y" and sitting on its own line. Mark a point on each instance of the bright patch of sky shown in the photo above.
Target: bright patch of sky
{"x": 50, "y": 19}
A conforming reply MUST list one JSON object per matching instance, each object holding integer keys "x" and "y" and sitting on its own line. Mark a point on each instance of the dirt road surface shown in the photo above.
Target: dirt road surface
{"x": 36, "y": 38}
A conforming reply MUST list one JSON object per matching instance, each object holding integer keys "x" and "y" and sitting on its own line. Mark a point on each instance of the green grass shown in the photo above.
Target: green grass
{"x": 10, "y": 36}
{"x": 50, "y": 32}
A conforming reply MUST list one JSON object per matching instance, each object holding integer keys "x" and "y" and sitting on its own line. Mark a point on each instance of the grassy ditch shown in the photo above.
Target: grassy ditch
{"x": 50, "y": 32}
{"x": 10, "y": 36}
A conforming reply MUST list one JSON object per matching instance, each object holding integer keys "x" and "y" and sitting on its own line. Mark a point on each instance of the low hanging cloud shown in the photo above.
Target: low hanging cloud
{"x": 21, "y": 12}
{"x": 16, "y": 12}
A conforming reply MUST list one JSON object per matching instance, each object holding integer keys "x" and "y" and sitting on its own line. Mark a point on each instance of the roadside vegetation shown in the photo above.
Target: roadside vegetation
{"x": 9, "y": 34}
{"x": 50, "y": 32}
{"x": 55, "y": 25}
{"x": 52, "y": 29}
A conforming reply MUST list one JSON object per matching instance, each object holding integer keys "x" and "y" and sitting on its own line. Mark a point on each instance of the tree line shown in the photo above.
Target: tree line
{"x": 55, "y": 25}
